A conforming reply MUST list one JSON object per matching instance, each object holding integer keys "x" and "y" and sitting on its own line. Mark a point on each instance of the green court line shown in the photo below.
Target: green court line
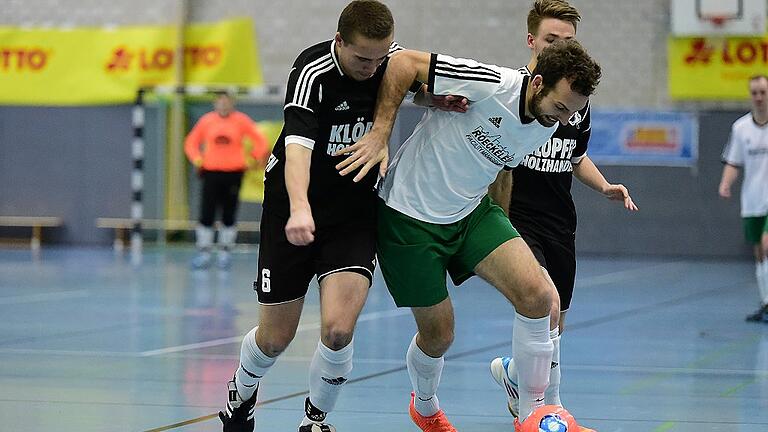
{"x": 737, "y": 388}
{"x": 700, "y": 362}
{"x": 666, "y": 426}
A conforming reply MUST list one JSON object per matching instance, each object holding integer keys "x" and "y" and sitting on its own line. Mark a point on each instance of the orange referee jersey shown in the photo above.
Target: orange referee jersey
{"x": 218, "y": 142}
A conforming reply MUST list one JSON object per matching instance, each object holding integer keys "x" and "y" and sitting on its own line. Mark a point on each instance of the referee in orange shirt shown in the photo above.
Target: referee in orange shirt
{"x": 215, "y": 147}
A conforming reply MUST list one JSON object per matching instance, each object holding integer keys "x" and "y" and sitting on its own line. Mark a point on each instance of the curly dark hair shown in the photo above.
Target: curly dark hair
{"x": 368, "y": 18}
{"x": 568, "y": 59}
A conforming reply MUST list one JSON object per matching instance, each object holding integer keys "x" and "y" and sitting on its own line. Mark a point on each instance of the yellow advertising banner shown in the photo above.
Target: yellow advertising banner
{"x": 81, "y": 66}
{"x": 252, "y": 189}
{"x": 714, "y": 68}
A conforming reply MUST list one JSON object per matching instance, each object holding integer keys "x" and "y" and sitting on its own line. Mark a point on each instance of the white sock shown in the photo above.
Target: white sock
{"x": 552, "y": 395}
{"x": 532, "y": 349}
{"x": 203, "y": 237}
{"x": 425, "y": 374}
{"x": 327, "y": 374}
{"x": 253, "y": 365}
{"x": 762, "y": 280}
{"x": 227, "y": 236}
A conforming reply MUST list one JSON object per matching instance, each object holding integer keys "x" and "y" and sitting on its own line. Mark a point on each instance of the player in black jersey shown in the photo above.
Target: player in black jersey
{"x": 537, "y": 194}
{"x": 314, "y": 221}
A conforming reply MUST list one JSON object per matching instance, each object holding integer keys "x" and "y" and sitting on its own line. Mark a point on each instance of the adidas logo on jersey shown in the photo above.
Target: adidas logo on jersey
{"x": 496, "y": 121}
{"x": 342, "y": 106}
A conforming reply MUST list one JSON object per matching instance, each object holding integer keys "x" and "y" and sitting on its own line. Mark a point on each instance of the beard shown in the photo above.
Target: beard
{"x": 535, "y": 109}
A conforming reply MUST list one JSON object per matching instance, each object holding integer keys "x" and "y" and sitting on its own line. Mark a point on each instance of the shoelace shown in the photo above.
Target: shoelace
{"x": 437, "y": 419}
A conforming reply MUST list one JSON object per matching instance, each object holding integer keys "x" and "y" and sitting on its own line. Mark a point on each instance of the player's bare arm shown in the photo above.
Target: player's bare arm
{"x": 730, "y": 174}
{"x": 300, "y": 229}
{"x": 404, "y": 68}
{"x": 587, "y": 173}
{"x": 445, "y": 103}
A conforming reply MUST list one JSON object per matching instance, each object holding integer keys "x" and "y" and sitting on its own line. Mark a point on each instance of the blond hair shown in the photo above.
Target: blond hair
{"x": 557, "y": 9}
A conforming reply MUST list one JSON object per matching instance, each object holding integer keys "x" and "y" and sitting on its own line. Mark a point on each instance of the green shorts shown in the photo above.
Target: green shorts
{"x": 754, "y": 228}
{"x": 415, "y": 255}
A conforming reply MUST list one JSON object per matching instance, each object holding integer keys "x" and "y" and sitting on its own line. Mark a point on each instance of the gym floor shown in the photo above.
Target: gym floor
{"x": 89, "y": 342}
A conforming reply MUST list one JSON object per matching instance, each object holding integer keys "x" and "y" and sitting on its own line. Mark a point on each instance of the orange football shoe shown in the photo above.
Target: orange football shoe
{"x": 436, "y": 423}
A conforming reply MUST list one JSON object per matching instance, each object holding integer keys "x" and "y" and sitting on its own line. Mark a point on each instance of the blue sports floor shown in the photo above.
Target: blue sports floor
{"x": 90, "y": 344}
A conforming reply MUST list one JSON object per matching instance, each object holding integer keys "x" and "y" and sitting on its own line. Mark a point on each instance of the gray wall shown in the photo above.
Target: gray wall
{"x": 628, "y": 37}
{"x": 680, "y": 210}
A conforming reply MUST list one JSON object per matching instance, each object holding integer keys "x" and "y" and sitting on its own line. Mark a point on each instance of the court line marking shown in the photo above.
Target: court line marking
{"x": 575, "y": 326}
{"x": 622, "y": 275}
{"x": 755, "y": 374}
{"x": 43, "y": 297}
{"x": 236, "y": 339}
{"x": 642, "y": 384}
{"x": 665, "y": 426}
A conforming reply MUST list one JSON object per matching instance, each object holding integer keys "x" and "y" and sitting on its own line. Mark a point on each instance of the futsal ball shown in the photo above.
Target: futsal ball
{"x": 550, "y": 418}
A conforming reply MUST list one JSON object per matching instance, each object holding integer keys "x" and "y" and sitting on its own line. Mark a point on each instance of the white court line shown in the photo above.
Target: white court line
{"x": 303, "y": 327}
{"x": 181, "y": 348}
{"x": 623, "y": 275}
{"x": 395, "y": 362}
{"x": 74, "y": 353}
{"x": 43, "y": 297}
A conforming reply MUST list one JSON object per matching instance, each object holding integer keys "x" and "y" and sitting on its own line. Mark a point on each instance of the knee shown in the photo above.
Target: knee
{"x": 274, "y": 343}
{"x": 336, "y": 337}
{"x": 436, "y": 341}
{"x": 537, "y": 300}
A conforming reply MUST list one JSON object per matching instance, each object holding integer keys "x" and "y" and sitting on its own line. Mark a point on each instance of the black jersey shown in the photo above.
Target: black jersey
{"x": 541, "y": 190}
{"x": 326, "y": 111}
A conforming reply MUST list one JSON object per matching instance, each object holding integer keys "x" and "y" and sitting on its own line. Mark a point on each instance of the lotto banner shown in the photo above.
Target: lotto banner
{"x": 79, "y": 66}
{"x": 644, "y": 138}
{"x": 714, "y": 68}
{"x": 252, "y": 189}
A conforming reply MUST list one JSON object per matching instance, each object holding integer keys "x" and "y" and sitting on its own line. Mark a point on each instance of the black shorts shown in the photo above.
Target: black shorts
{"x": 285, "y": 270}
{"x": 558, "y": 257}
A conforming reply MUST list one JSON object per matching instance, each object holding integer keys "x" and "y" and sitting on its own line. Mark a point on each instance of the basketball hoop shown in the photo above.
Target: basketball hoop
{"x": 717, "y": 20}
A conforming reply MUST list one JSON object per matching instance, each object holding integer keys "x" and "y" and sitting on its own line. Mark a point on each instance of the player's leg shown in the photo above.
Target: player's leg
{"x": 512, "y": 269}
{"x": 346, "y": 261}
{"x": 561, "y": 262}
{"x": 503, "y": 259}
{"x": 229, "y": 200}
{"x": 413, "y": 255}
{"x": 755, "y": 233}
{"x": 503, "y": 369}
{"x": 204, "y": 230}
{"x": 284, "y": 273}
{"x": 424, "y": 357}
{"x": 764, "y": 267}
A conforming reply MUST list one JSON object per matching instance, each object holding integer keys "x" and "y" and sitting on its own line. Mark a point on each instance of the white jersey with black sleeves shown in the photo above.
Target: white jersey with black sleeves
{"x": 442, "y": 171}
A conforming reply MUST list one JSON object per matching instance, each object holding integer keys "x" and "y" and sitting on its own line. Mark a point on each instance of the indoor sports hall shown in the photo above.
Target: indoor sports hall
{"x": 109, "y": 323}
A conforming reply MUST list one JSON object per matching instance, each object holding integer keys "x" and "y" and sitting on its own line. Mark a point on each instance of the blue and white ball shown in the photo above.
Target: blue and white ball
{"x": 553, "y": 423}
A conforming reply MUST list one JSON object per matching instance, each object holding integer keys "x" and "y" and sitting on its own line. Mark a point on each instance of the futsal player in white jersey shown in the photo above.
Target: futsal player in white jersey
{"x": 747, "y": 150}
{"x": 537, "y": 196}
{"x": 435, "y": 215}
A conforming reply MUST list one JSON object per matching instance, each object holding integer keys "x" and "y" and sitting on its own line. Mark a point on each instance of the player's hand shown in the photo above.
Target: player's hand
{"x": 300, "y": 229}
{"x": 450, "y": 103}
{"x": 370, "y": 150}
{"x": 618, "y": 192}
{"x": 724, "y": 191}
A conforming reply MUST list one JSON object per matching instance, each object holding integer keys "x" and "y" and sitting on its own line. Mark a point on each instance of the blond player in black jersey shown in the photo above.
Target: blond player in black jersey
{"x": 537, "y": 196}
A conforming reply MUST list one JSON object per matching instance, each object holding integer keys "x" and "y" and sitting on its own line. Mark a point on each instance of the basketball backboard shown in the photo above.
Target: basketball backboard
{"x": 718, "y": 17}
